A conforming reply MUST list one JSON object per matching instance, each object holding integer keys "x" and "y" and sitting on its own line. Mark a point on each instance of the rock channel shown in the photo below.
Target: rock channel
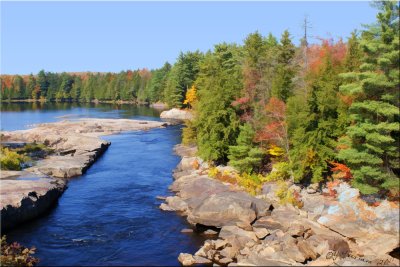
{"x": 258, "y": 231}
{"x": 27, "y": 194}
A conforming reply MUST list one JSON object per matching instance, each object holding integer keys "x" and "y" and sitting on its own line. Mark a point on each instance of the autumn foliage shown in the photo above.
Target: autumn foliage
{"x": 190, "y": 96}
{"x": 340, "y": 171}
{"x": 318, "y": 52}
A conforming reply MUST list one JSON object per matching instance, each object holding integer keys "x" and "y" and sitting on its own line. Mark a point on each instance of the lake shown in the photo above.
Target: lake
{"x": 109, "y": 215}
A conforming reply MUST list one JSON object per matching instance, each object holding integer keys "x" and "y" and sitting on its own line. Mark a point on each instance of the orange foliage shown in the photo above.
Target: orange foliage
{"x": 275, "y": 131}
{"x": 195, "y": 164}
{"x": 347, "y": 99}
{"x": 341, "y": 171}
{"x": 145, "y": 74}
{"x": 317, "y": 53}
{"x": 129, "y": 75}
{"x": 330, "y": 186}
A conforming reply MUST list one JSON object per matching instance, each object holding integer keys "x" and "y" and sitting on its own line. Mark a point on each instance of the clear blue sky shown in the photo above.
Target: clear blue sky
{"x": 115, "y": 36}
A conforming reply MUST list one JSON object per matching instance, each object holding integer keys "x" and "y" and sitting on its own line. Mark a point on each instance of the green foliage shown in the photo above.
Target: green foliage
{"x": 157, "y": 83}
{"x": 282, "y": 86}
{"x": 280, "y": 172}
{"x": 370, "y": 146}
{"x": 245, "y": 155}
{"x": 182, "y": 76}
{"x": 314, "y": 123}
{"x": 189, "y": 134}
{"x": 218, "y": 85}
{"x": 10, "y": 160}
{"x": 287, "y": 196}
{"x": 16, "y": 255}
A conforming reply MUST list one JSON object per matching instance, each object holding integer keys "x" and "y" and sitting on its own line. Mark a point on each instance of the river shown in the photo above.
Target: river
{"x": 109, "y": 215}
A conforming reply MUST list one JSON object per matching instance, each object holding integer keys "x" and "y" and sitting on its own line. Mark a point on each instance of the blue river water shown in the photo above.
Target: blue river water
{"x": 110, "y": 215}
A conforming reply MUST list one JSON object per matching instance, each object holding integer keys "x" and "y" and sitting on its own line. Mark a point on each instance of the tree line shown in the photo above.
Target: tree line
{"x": 308, "y": 113}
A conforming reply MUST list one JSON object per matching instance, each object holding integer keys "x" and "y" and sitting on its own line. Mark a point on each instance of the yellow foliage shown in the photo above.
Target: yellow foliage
{"x": 250, "y": 182}
{"x": 190, "y": 96}
{"x": 280, "y": 171}
{"x": 276, "y": 151}
{"x": 213, "y": 172}
{"x": 287, "y": 196}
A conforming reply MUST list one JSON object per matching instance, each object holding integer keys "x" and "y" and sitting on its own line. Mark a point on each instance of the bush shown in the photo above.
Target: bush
{"x": 16, "y": 255}
{"x": 213, "y": 172}
{"x": 10, "y": 160}
{"x": 188, "y": 134}
{"x": 288, "y": 196}
{"x": 250, "y": 182}
{"x": 280, "y": 172}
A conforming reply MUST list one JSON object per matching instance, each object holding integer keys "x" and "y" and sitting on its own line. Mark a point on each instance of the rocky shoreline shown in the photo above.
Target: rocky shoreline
{"x": 259, "y": 231}
{"x": 27, "y": 194}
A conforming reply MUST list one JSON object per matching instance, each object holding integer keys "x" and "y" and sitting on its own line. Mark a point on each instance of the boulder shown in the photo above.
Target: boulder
{"x": 242, "y": 235}
{"x": 312, "y": 188}
{"x": 185, "y": 151}
{"x": 165, "y": 207}
{"x": 224, "y": 208}
{"x": 210, "y": 232}
{"x": 188, "y": 163}
{"x": 201, "y": 260}
{"x": 176, "y": 114}
{"x": 261, "y": 232}
{"x": 176, "y": 203}
{"x": 186, "y": 259}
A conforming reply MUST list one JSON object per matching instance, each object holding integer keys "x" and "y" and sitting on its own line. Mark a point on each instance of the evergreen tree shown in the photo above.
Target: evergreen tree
{"x": 245, "y": 155}
{"x": 315, "y": 126}
{"x": 43, "y": 83}
{"x": 371, "y": 145}
{"x": 219, "y": 84}
{"x": 282, "y": 86}
{"x": 181, "y": 78}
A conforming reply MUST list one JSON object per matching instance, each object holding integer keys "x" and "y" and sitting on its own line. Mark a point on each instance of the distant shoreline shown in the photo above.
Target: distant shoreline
{"x": 118, "y": 102}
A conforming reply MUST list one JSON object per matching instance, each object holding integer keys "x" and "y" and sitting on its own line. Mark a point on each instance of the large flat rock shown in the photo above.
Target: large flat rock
{"x": 23, "y": 200}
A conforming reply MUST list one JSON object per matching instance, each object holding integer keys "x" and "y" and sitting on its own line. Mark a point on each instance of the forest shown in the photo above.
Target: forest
{"x": 308, "y": 113}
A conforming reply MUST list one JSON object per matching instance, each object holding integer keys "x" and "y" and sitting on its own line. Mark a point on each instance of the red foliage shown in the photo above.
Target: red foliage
{"x": 6, "y": 81}
{"x": 129, "y": 75}
{"x": 276, "y": 108}
{"x": 275, "y": 131}
{"x": 240, "y": 101}
{"x": 341, "y": 171}
{"x": 317, "y": 53}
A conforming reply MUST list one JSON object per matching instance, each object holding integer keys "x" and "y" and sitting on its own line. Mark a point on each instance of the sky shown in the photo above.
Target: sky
{"x": 115, "y": 36}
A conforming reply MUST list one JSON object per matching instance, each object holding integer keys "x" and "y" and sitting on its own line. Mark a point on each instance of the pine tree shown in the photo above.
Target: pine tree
{"x": 282, "y": 86}
{"x": 315, "y": 125}
{"x": 43, "y": 83}
{"x": 245, "y": 155}
{"x": 219, "y": 83}
{"x": 371, "y": 145}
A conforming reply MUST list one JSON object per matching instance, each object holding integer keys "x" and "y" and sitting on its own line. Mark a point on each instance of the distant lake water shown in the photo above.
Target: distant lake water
{"x": 109, "y": 215}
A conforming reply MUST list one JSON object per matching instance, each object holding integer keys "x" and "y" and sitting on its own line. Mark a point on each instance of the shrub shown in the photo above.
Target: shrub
{"x": 250, "y": 182}
{"x": 16, "y": 255}
{"x": 288, "y": 196}
{"x": 213, "y": 172}
{"x": 189, "y": 134}
{"x": 280, "y": 171}
{"x": 10, "y": 160}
